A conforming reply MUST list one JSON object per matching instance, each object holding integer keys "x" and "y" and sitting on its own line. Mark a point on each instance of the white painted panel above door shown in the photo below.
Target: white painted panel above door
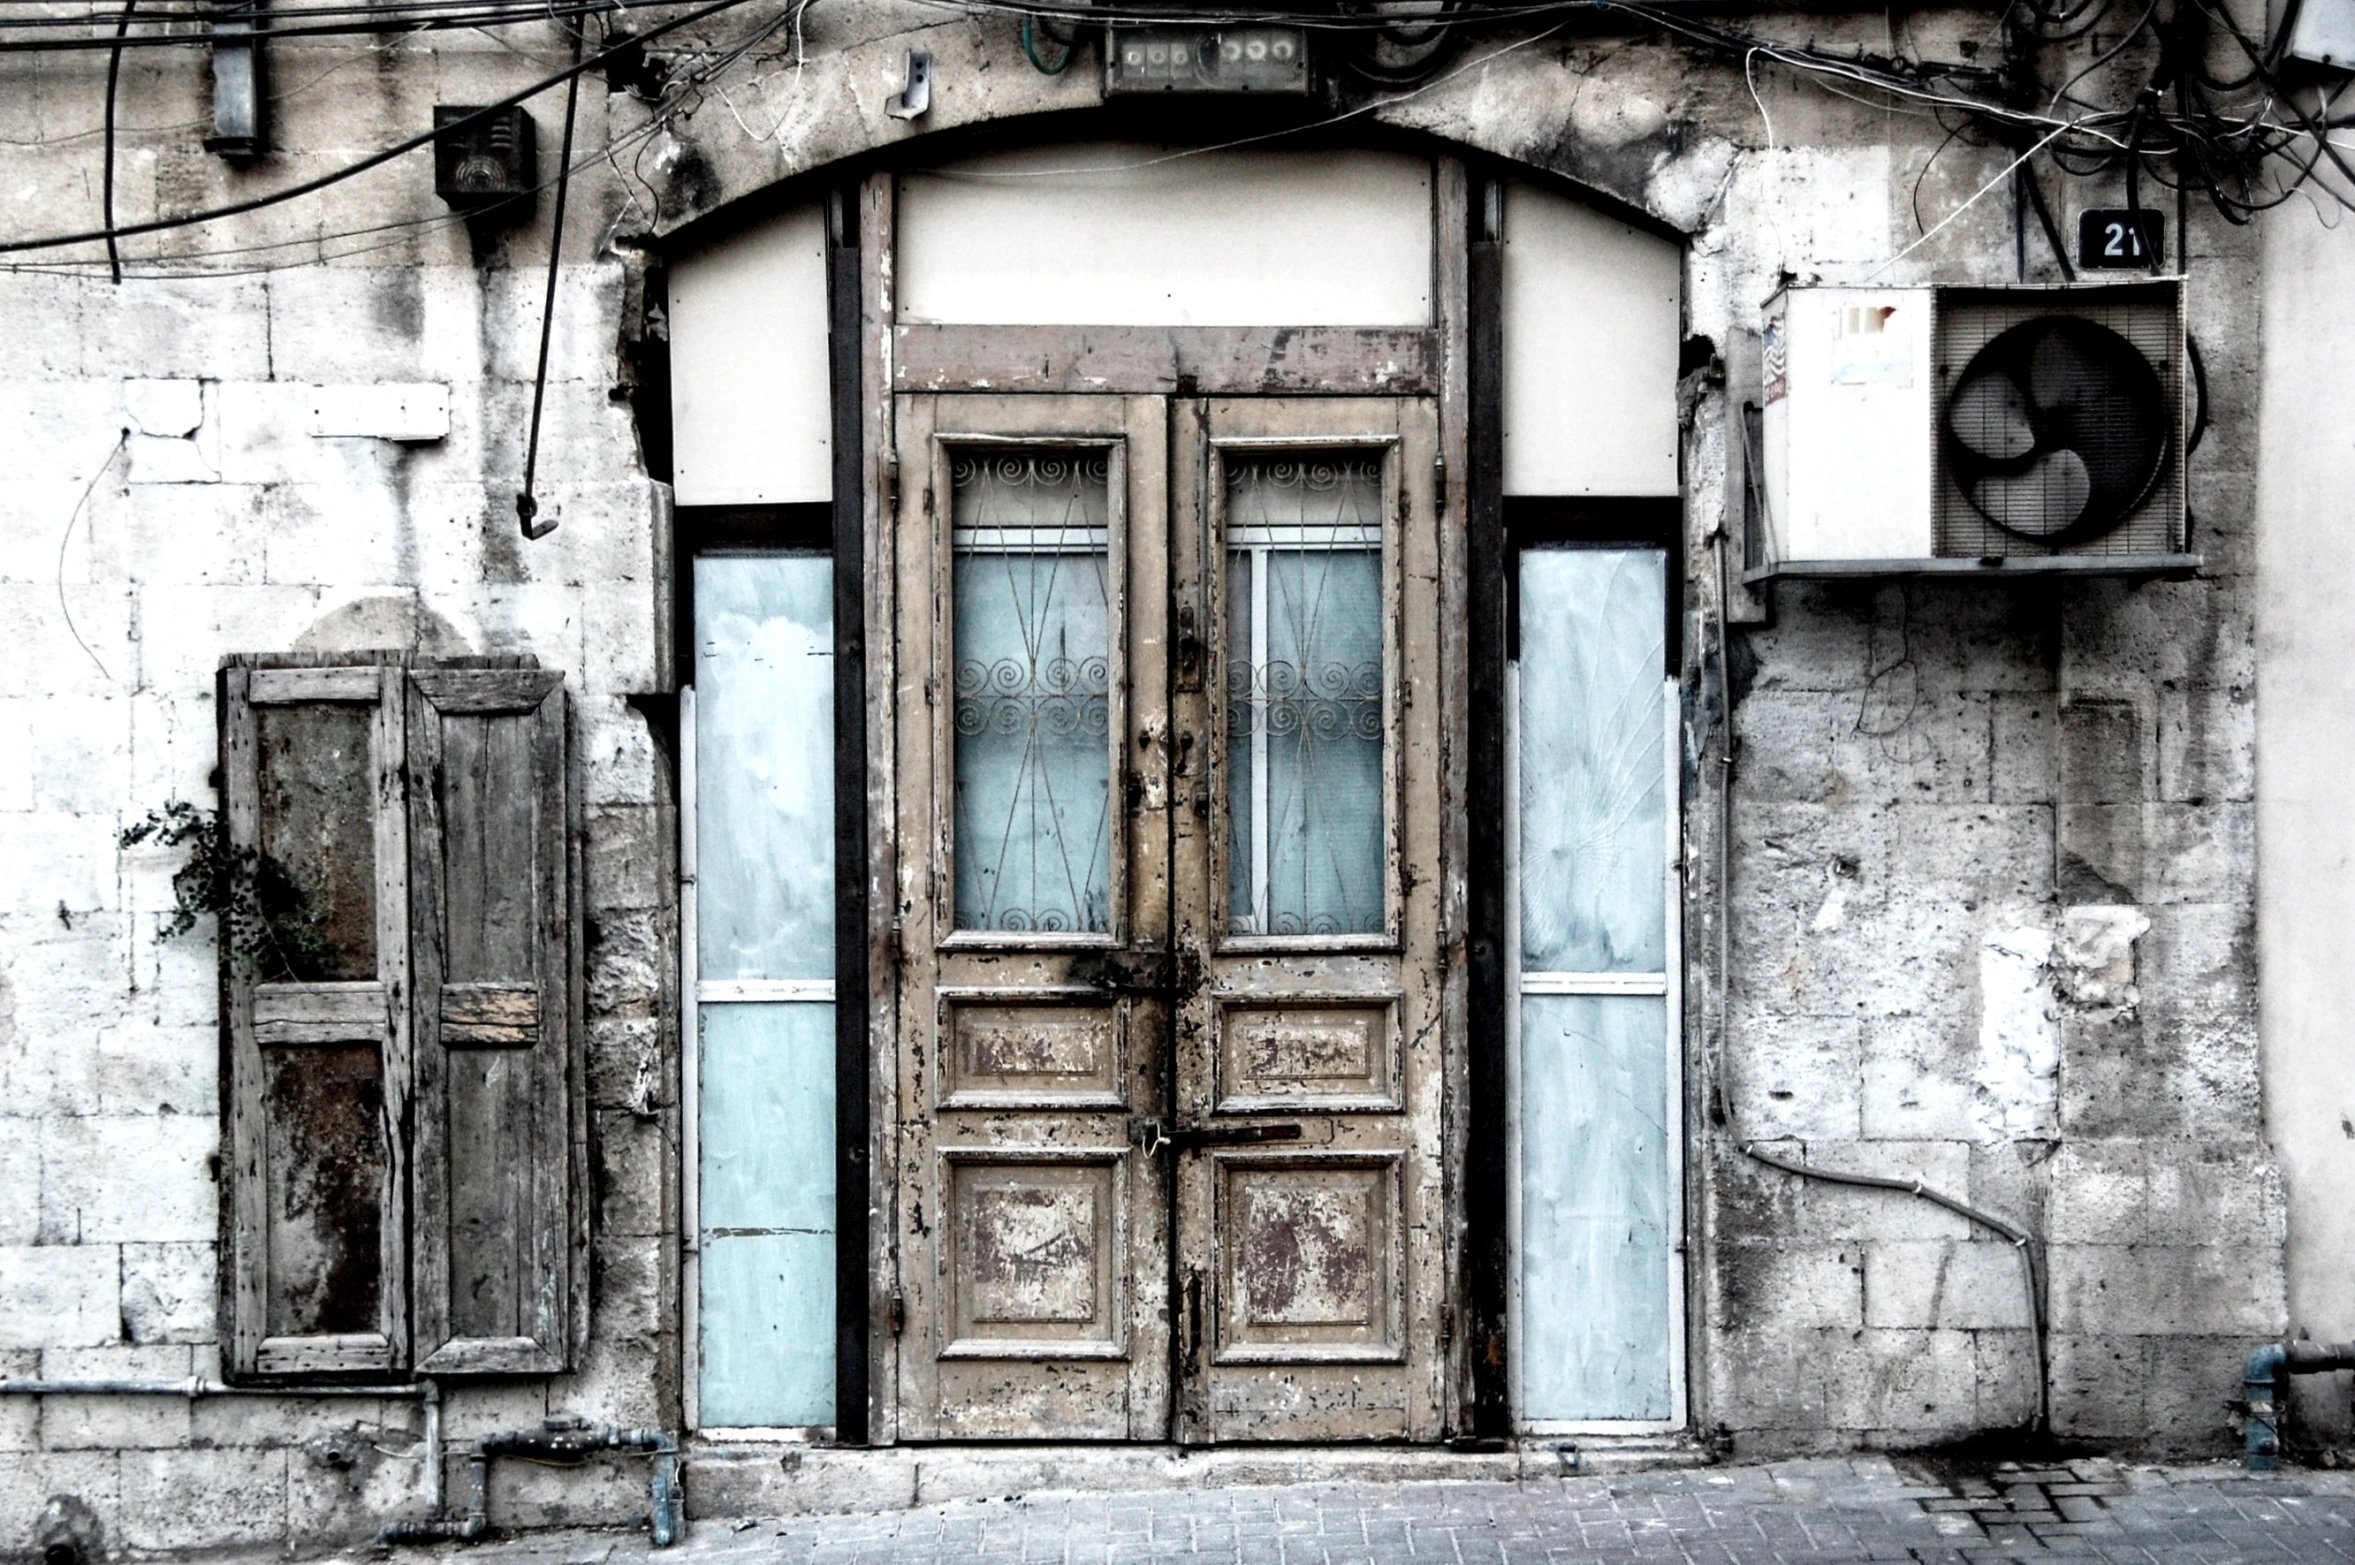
{"x": 1115, "y": 234}
{"x": 750, "y": 389}
{"x": 1593, "y": 322}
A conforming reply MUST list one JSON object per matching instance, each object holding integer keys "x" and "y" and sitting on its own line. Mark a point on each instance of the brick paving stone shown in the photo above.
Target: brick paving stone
{"x": 1820, "y": 1511}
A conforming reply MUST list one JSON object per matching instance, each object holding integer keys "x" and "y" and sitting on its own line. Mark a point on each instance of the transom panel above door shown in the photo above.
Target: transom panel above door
{"x": 1170, "y": 1041}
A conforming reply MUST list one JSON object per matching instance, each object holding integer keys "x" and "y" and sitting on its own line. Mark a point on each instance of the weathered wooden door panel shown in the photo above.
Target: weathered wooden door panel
{"x": 1308, "y": 1052}
{"x": 1034, "y": 916}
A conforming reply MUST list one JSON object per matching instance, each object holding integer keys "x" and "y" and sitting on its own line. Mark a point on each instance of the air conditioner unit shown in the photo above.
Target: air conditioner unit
{"x": 1917, "y": 431}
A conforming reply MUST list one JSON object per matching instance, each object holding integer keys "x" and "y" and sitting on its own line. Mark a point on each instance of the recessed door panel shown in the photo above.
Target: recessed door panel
{"x": 1339, "y": 1052}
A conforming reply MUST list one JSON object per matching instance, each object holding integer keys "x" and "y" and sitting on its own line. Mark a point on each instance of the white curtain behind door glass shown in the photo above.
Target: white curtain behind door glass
{"x": 1305, "y": 814}
{"x": 1033, "y": 677}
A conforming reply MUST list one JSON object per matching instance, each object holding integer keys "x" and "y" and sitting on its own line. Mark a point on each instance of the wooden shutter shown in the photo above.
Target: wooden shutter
{"x": 499, "y": 1150}
{"x": 315, "y": 969}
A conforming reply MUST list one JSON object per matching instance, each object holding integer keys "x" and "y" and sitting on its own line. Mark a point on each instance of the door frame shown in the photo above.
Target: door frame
{"x": 1176, "y": 362}
{"x": 1456, "y": 360}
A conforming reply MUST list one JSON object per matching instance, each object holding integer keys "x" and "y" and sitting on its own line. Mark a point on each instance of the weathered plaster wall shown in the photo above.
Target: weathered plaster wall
{"x": 161, "y": 504}
{"x": 1992, "y": 909}
{"x": 2305, "y": 578}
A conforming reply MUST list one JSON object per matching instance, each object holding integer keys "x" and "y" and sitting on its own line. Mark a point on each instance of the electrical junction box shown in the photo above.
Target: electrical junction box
{"x": 1231, "y": 57}
{"x": 1951, "y": 430}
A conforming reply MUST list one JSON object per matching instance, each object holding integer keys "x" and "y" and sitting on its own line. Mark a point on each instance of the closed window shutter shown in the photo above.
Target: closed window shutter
{"x": 499, "y": 1263}
{"x": 315, "y": 968}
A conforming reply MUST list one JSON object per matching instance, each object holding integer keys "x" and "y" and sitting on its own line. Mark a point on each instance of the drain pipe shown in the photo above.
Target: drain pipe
{"x": 559, "y": 1440}
{"x": 2260, "y": 1379}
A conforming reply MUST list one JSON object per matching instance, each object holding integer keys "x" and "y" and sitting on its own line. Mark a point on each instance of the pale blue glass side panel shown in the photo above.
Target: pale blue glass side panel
{"x": 1029, "y": 576}
{"x": 764, "y": 757}
{"x": 1321, "y": 700}
{"x": 1593, "y": 793}
{"x": 768, "y": 1331}
{"x": 766, "y": 1150}
{"x": 1594, "y": 1247}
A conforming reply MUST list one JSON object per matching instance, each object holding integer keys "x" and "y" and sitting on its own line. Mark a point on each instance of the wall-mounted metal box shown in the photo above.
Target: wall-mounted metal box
{"x": 493, "y": 160}
{"x": 1985, "y": 430}
{"x": 1231, "y": 57}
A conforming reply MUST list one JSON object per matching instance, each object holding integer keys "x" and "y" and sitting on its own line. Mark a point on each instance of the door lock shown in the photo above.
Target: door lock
{"x": 1150, "y": 973}
{"x": 1150, "y": 1135}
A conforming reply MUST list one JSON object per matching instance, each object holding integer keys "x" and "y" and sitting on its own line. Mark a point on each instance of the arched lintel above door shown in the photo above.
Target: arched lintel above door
{"x": 1601, "y": 135}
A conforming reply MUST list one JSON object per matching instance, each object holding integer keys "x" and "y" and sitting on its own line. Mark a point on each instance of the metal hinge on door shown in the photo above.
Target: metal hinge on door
{"x": 899, "y": 1312}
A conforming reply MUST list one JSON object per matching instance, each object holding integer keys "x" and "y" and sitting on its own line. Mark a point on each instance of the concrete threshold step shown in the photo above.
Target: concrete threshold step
{"x": 739, "y": 1478}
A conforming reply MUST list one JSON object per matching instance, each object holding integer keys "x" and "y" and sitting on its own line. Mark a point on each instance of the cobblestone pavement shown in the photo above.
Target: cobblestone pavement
{"x": 1824, "y": 1512}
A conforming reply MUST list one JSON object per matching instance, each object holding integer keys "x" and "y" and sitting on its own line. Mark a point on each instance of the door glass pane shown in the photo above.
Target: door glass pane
{"x": 1593, "y": 794}
{"x": 1595, "y": 1327}
{"x": 766, "y": 1155}
{"x": 764, "y": 761}
{"x": 1305, "y": 812}
{"x": 1033, "y": 639}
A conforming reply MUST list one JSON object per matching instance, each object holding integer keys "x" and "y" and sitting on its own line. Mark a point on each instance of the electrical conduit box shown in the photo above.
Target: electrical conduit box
{"x": 1919, "y": 431}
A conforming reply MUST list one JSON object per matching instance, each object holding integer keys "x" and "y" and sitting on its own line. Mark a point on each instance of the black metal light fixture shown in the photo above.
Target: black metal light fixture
{"x": 486, "y": 162}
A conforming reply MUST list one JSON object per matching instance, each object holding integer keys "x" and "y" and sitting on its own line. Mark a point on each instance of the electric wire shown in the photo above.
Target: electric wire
{"x": 114, "y": 72}
{"x": 373, "y": 160}
{"x": 2244, "y": 159}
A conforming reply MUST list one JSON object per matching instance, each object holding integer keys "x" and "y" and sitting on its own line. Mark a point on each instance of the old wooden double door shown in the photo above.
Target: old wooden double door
{"x": 1169, "y": 749}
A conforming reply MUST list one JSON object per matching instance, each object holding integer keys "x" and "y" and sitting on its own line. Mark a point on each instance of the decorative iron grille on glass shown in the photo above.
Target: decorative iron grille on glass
{"x": 1033, "y": 682}
{"x": 1304, "y": 693}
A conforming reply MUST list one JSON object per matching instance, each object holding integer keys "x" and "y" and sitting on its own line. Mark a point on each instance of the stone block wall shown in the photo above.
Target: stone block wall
{"x": 1993, "y": 923}
{"x": 1991, "y": 907}
{"x": 163, "y": 503}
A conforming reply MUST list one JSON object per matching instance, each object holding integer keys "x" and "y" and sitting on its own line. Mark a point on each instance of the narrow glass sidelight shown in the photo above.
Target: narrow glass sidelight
{"x": 1595, "y": 1224}
{"x": 1305, "y": 816}
{"x": 1030, "y": 575}
{"x": 762, "y": 828}
{"x": 1593, "y": 775}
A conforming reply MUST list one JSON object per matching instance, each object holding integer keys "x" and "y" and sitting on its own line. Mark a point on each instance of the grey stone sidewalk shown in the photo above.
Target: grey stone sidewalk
{"x": 1824, "y": 1512}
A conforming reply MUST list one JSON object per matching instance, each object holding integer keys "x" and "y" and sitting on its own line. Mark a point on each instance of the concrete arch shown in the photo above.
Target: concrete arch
{"x": 1632, "y": 129}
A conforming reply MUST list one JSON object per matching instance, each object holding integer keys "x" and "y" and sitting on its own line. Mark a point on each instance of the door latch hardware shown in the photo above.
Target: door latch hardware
{"x": 1149, "y": 1135}
{"x": 1133, "y": 972}
{"x": 1189, "y": 651}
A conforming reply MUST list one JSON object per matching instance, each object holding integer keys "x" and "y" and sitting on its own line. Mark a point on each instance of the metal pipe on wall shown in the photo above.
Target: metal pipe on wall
{"x": 2260, "y": 1380}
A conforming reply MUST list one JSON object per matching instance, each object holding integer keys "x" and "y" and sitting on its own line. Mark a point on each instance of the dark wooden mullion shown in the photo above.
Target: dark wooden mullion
{"x": 1486, "y": 1172}
{"x": 848, "y": 521}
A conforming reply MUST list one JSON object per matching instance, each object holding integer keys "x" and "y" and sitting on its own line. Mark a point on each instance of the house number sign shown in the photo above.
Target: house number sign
{"x": 2121, "y": 239}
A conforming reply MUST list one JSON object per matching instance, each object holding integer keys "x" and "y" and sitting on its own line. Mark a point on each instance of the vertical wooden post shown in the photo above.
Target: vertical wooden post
{"x": 852, "y": 1194}
{"x": 1486, "y": 1174}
